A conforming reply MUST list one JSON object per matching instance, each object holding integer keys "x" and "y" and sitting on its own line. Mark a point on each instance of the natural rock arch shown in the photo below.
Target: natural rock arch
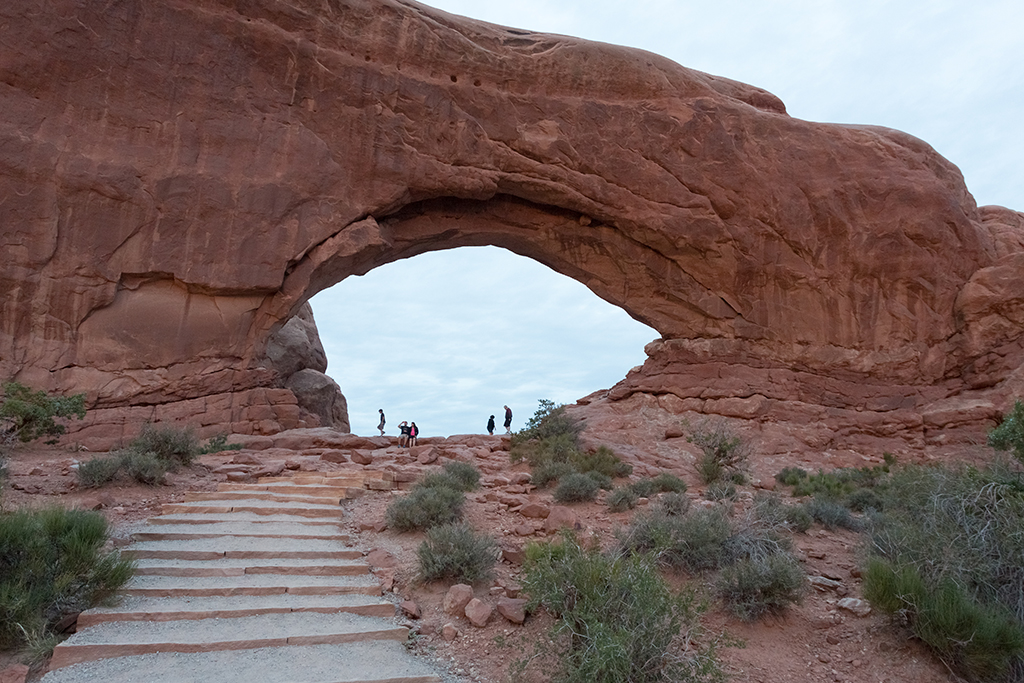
{"x": 180, "y": 177}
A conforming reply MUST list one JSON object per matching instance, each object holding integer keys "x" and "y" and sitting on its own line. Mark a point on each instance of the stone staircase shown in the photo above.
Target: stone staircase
{"x": 251, "y": 583}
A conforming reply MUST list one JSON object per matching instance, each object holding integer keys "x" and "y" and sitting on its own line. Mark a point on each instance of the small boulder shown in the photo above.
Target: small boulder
{"x": 478, "y": 612}
{"x": 535, "y": 510}
{"x": 559, "y": 517}
{"x": 410, "y": 609}
{"x": 449, "y": 632}
{"x": 361, "y": 456}
{"x": 457, "y": 598}
{"x": 333, "y": 455}
{"x": 858, "y": 607}
{"x": 513, "y": 609}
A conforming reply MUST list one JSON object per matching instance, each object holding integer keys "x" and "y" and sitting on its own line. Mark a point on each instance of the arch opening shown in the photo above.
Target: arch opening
{"x": 449, "y": 337}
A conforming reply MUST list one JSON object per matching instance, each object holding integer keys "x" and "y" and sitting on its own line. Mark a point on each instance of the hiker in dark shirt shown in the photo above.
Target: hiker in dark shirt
{"x": 414, "y": 432}
{"x": 490, "y": 425}
{"x": 508, "y": 420}
{"x": 403, "y": 433}
{"x": 381, "y": 425}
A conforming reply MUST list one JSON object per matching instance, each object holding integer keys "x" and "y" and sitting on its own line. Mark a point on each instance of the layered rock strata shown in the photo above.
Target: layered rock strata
{"x": 179, "y": 177}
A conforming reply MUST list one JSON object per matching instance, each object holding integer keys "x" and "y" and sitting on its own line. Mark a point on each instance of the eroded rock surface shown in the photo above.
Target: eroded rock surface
{"x": 178, "y": 179}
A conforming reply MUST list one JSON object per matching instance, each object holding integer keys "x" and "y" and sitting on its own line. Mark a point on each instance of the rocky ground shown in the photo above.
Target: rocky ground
{"x": 814, "y": 641}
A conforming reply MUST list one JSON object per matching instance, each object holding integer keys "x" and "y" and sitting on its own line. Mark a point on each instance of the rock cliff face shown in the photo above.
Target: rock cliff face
{"x": 180, "y": 176}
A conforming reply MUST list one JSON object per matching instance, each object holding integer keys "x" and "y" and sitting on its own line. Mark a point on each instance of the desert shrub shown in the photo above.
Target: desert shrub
{"x": 722, "y": 450}
{"x": 752, "y": 588}
{"x": 720, "y": 489}
{"x": 791, "y": 476}
{"x": 863, "y": 500}
{"x": 425, "y": 507}
{"x": 617, "y": 620}
{"x": 218, "y": 443}
{"x": 955, "y": 527}
{"x": 549, "y": 435}
{"x": 831, "y": 514}
{"x": 1009, "y": 435}
{"x": 52, "y": 564}
{"x": 29, "y": 415}
{"x": 603, "y": 481}
{"x": 448, "y": 479}
{"x": 457, "y": 553}
{"x": 175, "y": 446}
{"x": 621, "y": 499}
{"x": 98, "y": 471}
{"x": 465, "y": 474}
{"x": 546, "y": 473}
{"x": 602, "y": 460}
{"x": 644, "y": 488}
{"x": 673, "y": 504}
{"x": 981, "y": 641}
{"x": 143, "y": 467}
{"x": 576, "y": 488}
{"x": 695, "y": 542}
{"x": 772, "y": 512}
{"x": 666, "y": 482}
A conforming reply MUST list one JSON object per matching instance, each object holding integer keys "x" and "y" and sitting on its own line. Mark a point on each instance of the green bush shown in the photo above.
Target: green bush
{"x": 666, "y": 483}
{"x": 617, "y": 620}
{"x": 603, "y": 481}
{"x": 425, "y": 507}
{"x": 219, "y": 443}
{"x": 981, "y": 641}
{"x": 145, "y": 468}
{"x": 602, "y": 460}
{"x": 549, "y": 472}
{"x": 98, "y": 471}
{"x": 753, "y": 588}
{"x": 1009, "y": 435}
{"x": 695, "y": 542}
{"x": 721, "y": 489}
{"x": 621, "y": 499}
{"x": 954, "y": 526}
{"x": 576, "y": 488}
{"x": 771, "y": 512}
{"x": 52, "y": 564}
{"x": 673, "y": 504}
{"x": 465, "y": 474}
{"x": 456, "y": 552}
{"x": 175, "y": 446}
{"x": 791, "y": 476}
{"x": 644, "y": 488}
{"x": 830, "y": 514}
{"x": 29, "y": 415}
{"x": 723, "y": 452}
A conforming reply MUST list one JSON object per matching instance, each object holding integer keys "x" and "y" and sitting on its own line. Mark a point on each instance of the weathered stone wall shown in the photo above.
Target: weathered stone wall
{"x": 179, "y": 176}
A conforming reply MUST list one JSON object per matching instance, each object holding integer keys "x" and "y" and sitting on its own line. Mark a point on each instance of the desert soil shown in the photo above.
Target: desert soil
{"x": 813, "y": 641}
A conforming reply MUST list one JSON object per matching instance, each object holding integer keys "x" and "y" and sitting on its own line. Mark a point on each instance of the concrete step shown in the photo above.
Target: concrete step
{"x": 122, "y": 639}
{"x": 250, "y": 584}
{"x": 257, "y": 507}
{"x": 376, "y": 662}
{"x": 231, "y": 566}
{"x": 215, "y": 547}
{"x": 335, "y": 488}
{"x": 143, "y": 608}
{"x": 263, "y": 495}
{"x": 200, "y": 520}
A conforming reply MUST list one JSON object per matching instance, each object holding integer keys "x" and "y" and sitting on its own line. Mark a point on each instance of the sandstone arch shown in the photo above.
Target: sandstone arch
{"x": 179, "y": 177}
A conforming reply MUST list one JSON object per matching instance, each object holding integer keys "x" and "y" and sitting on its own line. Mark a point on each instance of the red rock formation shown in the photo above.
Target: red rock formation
{"x": 180, "y": 177}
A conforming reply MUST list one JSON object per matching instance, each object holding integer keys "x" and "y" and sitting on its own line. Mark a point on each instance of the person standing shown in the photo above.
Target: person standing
{"x": 508, "y": 420}
{"x": 414, "y": 431}
{"x": 490, "y": 425}
{"x": 381, "y": 425}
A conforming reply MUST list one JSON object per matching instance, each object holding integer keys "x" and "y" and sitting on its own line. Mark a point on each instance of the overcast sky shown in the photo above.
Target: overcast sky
{"x": 447, "y": 338}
